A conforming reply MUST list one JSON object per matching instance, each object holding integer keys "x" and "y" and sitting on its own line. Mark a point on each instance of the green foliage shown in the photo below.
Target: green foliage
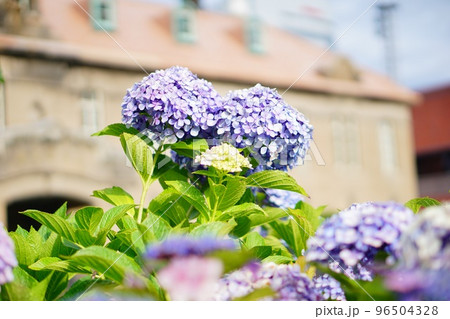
{"x": 190, "y": 148}
{"x": 417, "y": 204}
{"x": 275, "y": 179}
{"x": 116, "y": 129}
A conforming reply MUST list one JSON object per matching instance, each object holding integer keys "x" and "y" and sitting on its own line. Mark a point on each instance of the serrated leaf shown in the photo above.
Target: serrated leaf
{"x": 418, "y": 203}
{"x": 84, "y": 237}
{"x": 53, "y": 222}
{"x": 276, "y": 180}
{"x": 242, "y": 210}
{"x": 253, "y": 239}
{"x": 111, "y": 264}
{"x": 25, "y": 287}
{"x": 192, "y": 195}
{"x": 115, "y": 196}
{"x": 277, "y": 259}
{"x": 116, "y": 129}
{"x": 89, "y": 218}
{"x": 112, "y": 216}
{"x": 272, "y": 213}
{"x": 139, "y": 154}
{"x": 243, "y": 226}
{"x": 234, "y": 190}
{"x": 156, "y": 226}
{"x": 218, "y": 229}
{"x": 190, "y": 148}
{"x": 170, "y": 206}
{"x": 54, "y": 263}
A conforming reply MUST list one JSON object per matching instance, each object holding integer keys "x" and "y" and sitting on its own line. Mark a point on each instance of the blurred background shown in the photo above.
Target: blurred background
{"x": 373, "y": 77}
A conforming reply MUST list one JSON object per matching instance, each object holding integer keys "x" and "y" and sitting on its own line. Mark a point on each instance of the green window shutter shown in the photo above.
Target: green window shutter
{"x": 104, "y": 14}
{"x": 254, "y": 35}
{"x": 183, "y": 25}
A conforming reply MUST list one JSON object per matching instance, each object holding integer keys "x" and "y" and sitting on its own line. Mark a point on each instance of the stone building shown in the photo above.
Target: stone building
{"x": 66, "y": 65}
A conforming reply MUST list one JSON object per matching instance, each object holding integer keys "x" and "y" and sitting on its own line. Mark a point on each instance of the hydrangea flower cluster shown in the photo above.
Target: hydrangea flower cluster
{"x": 285, "y": 280}
{"x": 7, "y": 257}
{"x": 172, "y": 104}
{"x": 224, "y": 157}
{"x": 281, "y": 198}
{"x": 329, "y": 287}
{"x": 426, "y": 243}
{"x": 182, "y": 246}
{"x": 259, "y": 118}
{"x": 350, "y": 239}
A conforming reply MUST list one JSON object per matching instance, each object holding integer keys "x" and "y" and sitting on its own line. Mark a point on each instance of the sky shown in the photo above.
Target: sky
{"x": 422, "y": 39}
{"x": 421, "y": 32}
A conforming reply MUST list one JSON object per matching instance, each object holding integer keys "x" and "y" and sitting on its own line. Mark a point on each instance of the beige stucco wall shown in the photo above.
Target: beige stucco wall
{"x": 46, "y": 153}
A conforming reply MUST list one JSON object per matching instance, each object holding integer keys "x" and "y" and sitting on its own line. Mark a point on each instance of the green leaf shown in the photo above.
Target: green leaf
{"x": 84, "y": 238}
{"x": 218, "y": 229}
{"x": 170, "y": 206}
{"x": 112, "y": 216}
{"x": 295, "y": 232}
{"x": 24, "y": 253}
{"x": 417, "y": 203}
{"x": 116, "y": 129}
{"x": 111, "y": 264}
{"x": 205, "y": 173}
{"x": 174, "y": 174}
{"x": 163, "y": 165}
{"x": 234, "y": 190}
{"x": 192, "y": 195}
{"x": 155, "y": 226}
{"x": 82, "y": 285}
{"x": 313, "y": 215}
{"x": 242, "y": 210}
{"x": 54, "y": 222}
{"x": 139, "y": 154}
{"x": 272, "y": 213}
{"x": 261, "y": 252}
{"x": 25, "y": 287}
{"x": 57, "y": 284}
{"x": 275, "y": 179}
{"x": 233, "y": 259}
{"x": 109, "y": 219}
{"x": 115, "y": 196}
{"x": 278, "y": 259}
{"x": 257, "y": 294}
{"x": 55, "y": 263}
{"x": 253, "y": 239}
{"x": 190, "y": 148}
{"x": 243, "y": 226}
{"x": 89, "y": 218}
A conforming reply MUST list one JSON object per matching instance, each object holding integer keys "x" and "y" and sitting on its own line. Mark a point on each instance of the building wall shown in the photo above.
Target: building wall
{"x": 46, "y": 150}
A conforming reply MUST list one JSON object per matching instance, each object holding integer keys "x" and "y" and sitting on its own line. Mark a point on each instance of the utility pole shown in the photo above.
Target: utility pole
{"x": 385, "y": 29}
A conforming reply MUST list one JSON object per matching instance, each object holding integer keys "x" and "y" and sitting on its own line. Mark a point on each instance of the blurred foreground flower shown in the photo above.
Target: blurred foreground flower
{"x": 224, "y": 157}
{"x": 7, "y": 257}
{"x": 287, "y": 282}
{"x": 172, "y": 104}
{"x": 191, "y": 278}
{"x": 182, "y": 246}
{"x": 259, "y": 118}
{"x": 350, "y": 239}
{"x": 426, "y": 243}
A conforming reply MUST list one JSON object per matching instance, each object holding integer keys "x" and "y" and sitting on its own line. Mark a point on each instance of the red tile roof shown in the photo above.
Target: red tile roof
{"x": 143, "y": 35}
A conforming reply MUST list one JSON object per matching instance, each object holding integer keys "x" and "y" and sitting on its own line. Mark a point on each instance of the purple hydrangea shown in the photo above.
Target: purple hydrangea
{"x": 329, "y": 287}
{"x": 7, "y": 257}
{"x": 281, "y": 198}
{"x": 287, "y": 282}
{"x": 350, "y": 239}
{"x": 426, "y": 243}
{"x": 260, "y": 119}
{"x": 182, "y": 246}
{"x": 172, "y": 104}
{"x": 419, "y": 284}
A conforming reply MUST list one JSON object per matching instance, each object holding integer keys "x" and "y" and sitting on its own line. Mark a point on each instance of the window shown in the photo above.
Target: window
{"x": 346, "y": 139}
{"x": 254, "y": 35}
{"x": 103, "y": 14}
{"x": 183, "y": 24}
{"x": 90, "y": 112}
{"x": 387, "y": 146}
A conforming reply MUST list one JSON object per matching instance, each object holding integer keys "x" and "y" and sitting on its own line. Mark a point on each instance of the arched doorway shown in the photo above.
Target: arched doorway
{"x": 48, "y": 204}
